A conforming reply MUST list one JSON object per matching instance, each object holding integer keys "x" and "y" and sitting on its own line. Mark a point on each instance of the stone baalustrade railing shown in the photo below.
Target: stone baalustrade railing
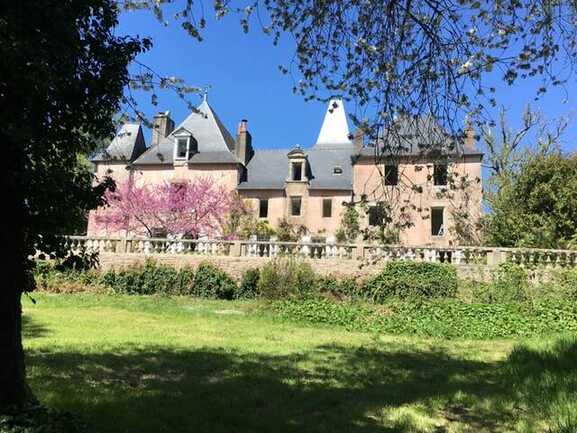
{"x": 486, "y": 256}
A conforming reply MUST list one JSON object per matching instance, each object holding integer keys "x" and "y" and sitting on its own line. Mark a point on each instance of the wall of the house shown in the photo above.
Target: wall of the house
{"x": 311, "y": 206}
{"x": 368, "y": 181}
{"x": 225, "y": 175}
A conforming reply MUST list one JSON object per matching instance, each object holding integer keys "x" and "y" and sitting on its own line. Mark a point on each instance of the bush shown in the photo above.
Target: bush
{"x": 41, "y": 420}
{"x": 51, "y": 278}
{"x": 510, "y": 284}
{"x": 248, "y": 288}
{"x": 338, "y": 288}
{"x": 405, "y": 279}
{"x": 150, "y": 279}
{"x": 286, "y": 277}
{"x": 212, "y": 282}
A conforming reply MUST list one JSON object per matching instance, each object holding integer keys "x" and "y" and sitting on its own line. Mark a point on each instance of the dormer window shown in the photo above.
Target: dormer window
{"x": 184, "y": 144}
{"x": 297, "y": 170}
{"x": 182, "y": 148}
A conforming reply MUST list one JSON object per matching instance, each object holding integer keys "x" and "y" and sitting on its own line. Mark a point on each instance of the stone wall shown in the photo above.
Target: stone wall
{"x": 235, "y": 266}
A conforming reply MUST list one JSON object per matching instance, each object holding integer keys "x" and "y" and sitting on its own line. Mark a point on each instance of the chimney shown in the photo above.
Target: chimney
{"x": 359, "y": 139}
{"x": 243, "y": 146}
{"x": 470, "y": 140}
{"x": 162, "y": 126}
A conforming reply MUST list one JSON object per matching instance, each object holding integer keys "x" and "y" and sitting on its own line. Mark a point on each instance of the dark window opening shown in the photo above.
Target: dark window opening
{"x": 327, "y": 208}
{"x": 295, "y": 206}
{"x": 437, "y": 222}
{"x": 297, "y": 171}
{"x": 181, "y": 147}
{"x": 391, "y": 175}
{"x": 440, "y": 174}
{"x": 376, "y": 216}
{"x": 263, "y": 208}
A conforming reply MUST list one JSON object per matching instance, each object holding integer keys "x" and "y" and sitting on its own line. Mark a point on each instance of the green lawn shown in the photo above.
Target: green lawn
{"x": 145, "y": 364}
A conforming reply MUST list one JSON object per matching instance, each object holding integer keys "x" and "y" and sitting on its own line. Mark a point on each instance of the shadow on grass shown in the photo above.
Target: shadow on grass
{"x": 329, "y": 389}
{"x": 32, "y": 329}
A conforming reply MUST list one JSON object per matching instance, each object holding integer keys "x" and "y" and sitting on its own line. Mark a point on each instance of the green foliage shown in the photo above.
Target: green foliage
{"x": 286, "y": 277}
{"x": 349, "y": 228}
{"x": 41, "y": 420}
{"x": 287, "y": 232}
{"x": 150, "y": 278}
{"x": 338, "y": 288}
{"x": 509, "y": 284}
{"x": 406, "y": 279}
{"x": 50, "y": 277}
{"x": 442, "y": 318}
{"x": 537, "y": 206}
{"x": 248, "y": 287}
{"x": 212, "y": 282}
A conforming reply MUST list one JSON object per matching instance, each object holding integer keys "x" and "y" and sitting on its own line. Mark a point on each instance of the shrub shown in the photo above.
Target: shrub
{"x": 409, "y": 279}
{"x": 150, "y": 279}
{"x": 212, "y": 282}
{"x": 51, "y": 278}
{"x": 285, "y": 277}
{"x": 509, "y": 284}
{"x": 339, "y": 288}
{"x": 248, "y": 288}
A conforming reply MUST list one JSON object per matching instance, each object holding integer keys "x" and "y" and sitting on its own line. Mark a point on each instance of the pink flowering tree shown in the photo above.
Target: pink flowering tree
{"x": 183, "y": 208}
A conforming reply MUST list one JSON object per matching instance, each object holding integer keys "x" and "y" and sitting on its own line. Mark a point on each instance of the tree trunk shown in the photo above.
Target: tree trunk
{"x": 13, "y": 389}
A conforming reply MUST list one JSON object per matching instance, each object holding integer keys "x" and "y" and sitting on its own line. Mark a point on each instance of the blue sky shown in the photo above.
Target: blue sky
{"x": 242, "y": 70}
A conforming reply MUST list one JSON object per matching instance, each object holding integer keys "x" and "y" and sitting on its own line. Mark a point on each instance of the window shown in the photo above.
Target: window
{"x": 440, "y": 174}
{"x": 295, "y": 206}
{"x": 327, "y": 207}
{"x": 297, "y": 170}
{"x": 376, "y": 216}
{"x": 263, "y": 208}
{"x": 437, "y": 221}
{"x": 338, "y": 170}
{"x": 181, "y": 148}
{"x": 391, "y": 175}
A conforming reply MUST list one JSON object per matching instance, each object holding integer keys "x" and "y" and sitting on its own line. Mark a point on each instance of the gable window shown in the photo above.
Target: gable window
{"x": 327, "y": 207}
{"x": 437, "y": 221}
{"x": 263, "y": 208}
{"x": 440, "y": 174}
{"x": 376, "y": 216}
{"x": 181, "y": 148}
{"x": 391, "y": 174}
{"x": 297, "y": 170}
{"x": 295, "y": 206}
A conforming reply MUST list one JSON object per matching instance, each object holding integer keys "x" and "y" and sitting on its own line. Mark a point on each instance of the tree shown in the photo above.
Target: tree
{"x": 538, "y": 208}
{"x": 61, "y": 79}
{"x": 185, "y": 208}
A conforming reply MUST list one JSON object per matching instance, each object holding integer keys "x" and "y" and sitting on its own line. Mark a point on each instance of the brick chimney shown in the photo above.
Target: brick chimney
{"x": 359, "y": 139}
{"x": 470, "y": 140}
{"x": 162, "y": 126}
{"x": 243, "y": 145}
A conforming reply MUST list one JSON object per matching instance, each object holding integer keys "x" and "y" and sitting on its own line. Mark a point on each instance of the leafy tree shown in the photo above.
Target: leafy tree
{"x": 62, "y": 75}
{"x": 538, "y": 208}
{"x": 349, "y": 228}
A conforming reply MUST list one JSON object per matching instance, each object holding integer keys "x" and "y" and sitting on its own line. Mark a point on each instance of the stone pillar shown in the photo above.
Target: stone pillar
{"x": 359, "y": 252}
{"x": 236, "y": 249}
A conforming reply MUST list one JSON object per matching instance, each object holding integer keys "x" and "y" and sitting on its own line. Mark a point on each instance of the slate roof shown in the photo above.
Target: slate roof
{"x": 268, "y": 169}
{"x": 127, "y": 145}
{"x": 215, "y": 144}
{"x": 413, "y": 136}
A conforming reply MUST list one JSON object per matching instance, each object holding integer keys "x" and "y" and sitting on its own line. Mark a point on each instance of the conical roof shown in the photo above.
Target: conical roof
{"x": 335, "y": 128}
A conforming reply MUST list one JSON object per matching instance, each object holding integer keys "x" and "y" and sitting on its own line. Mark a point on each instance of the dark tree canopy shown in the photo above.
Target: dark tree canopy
{"x": 62, "y": 75}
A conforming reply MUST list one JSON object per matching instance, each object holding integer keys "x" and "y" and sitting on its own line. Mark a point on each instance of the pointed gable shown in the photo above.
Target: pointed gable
{"x": 208, "y": 130}
{"x": 335, "y": 128}
{"x": 127, "y": 145}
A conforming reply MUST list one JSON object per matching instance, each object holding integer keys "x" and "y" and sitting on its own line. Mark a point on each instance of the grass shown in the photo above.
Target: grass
{"x": 148, "y": 364}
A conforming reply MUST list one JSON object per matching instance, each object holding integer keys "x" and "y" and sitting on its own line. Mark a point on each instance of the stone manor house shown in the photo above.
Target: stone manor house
{"x": 310, "y": 186}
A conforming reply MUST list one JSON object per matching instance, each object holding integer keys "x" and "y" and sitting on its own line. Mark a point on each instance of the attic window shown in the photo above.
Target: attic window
{"x": 297, "y": 171}
{"x": 337, "y": 170}
{"x": 181, "y": 148}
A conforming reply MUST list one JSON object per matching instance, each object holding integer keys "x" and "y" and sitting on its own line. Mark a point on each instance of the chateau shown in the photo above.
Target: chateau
{"x": 310, "y": 186}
